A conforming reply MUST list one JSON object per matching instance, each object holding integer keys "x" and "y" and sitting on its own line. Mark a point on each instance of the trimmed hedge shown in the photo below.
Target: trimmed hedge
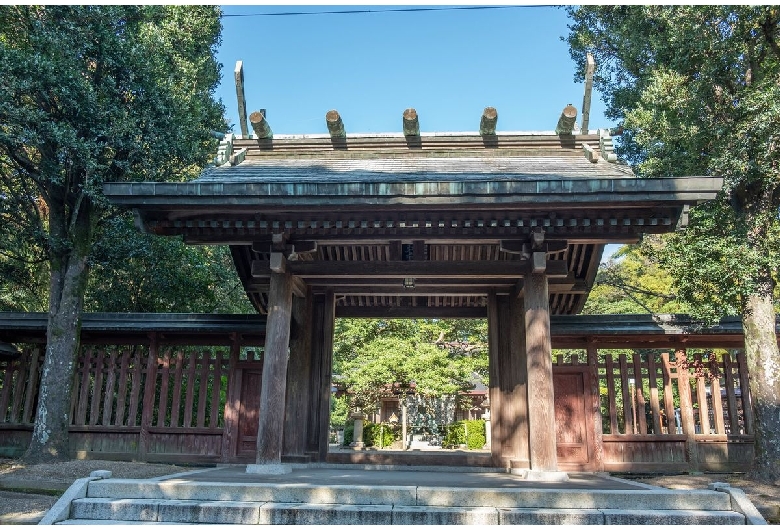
{"x": 470, "y": 433}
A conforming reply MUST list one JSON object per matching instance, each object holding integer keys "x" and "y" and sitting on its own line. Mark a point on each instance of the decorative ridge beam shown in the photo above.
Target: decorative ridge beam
{"x": 260, "y": 125}
{"x": 238, "y": 73}
{"x": 411, "y": 123}
{"x": 567, "y": 121}
{"x": 488, "y": 122}
{"x": 335, "y": 124}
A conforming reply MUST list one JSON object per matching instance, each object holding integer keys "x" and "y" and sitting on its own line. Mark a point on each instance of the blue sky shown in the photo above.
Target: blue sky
{"x": 447, "y": 64}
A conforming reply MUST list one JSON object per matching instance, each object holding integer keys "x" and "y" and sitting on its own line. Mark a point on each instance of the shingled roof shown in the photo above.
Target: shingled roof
{"x": 360, "y": 213}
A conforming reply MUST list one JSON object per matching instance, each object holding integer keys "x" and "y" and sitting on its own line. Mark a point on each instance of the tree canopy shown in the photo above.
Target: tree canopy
{"x": 374, "y": 357}
{"x": 91, "y": 94}
{"x": 696, "y": 90}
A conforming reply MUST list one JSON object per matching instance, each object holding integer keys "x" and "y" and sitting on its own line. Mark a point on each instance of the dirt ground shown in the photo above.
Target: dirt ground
{"x": 26, "y": 505}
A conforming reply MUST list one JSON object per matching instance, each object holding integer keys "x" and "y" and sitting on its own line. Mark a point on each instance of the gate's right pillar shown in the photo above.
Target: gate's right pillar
{"x": 541, "y": 397}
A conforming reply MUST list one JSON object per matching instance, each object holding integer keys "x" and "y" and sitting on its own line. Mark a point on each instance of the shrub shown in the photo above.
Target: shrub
{"x": 470, "y": 433}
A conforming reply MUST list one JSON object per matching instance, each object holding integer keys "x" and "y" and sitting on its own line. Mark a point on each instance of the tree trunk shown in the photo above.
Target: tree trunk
{"x": 70, "y": 244}
{"x": 763, "y": 360}
{"x": 761, "y": 350}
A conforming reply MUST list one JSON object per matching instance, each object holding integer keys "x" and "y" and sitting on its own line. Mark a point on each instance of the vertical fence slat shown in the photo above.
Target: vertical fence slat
{"x": 717, "y": 401}
{"x": 176, "y": 404}
{"x": 81, "y": 411}
{"x": 701, "y": 397}
{"x": 639, "y": 394}
{"x": 188, "y": 405}
{"x": 7, "y": 382}
{"x": 666, "y": 371}
{"x": 32, "y": 388}
{"x": 204, "y": 388}
{"x": 652, "y": 383}
{"x": 108, "y": 398}
{"x": 162, "y": 408}
{"x": 731, "y": 397}
{"x": 625, "y": 394}
{"x": 122, "y": 392}
{"x": 747, "y": 409}
{"x": 686, "y": 410}
{"x": 150, "y": 383}
{"x": 135, "y": 388}
{"x": 613, "y": 423}
{"x": 21, "y": 378}
{"x": 97, "y": 390}
{"x": 216, "y": 391}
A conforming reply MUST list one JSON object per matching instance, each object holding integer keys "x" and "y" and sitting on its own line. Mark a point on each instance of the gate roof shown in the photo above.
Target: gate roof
{"x": 456, "y": 215}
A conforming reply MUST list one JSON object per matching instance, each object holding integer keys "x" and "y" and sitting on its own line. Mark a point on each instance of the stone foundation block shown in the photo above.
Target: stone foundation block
{"x": 330, "y": 514}
{"x": 437, "y": 515}
{"x": 662, "y": 517}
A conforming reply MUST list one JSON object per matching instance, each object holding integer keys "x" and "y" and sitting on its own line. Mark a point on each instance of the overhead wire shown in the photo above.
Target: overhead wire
{"x": 392, "y": 10}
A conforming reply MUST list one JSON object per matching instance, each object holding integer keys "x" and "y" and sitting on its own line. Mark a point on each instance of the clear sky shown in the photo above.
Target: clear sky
{"x": 447, "y": 64}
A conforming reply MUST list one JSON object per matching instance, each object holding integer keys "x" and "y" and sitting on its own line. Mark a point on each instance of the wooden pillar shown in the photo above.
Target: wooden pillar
{"x": 270, "y": 429}
{"x": 508, "y": 382}
{"x": 297, "y": 410}
{"x": 322, "y": 329}
{"x": 541, "y": 398}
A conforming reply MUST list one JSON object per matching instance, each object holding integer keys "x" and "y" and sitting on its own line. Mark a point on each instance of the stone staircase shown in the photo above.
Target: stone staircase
{"x": 124, "y": 501}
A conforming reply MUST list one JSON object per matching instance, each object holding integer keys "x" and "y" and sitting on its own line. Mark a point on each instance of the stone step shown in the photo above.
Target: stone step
{"x": 645, "y": 499}
{"x": 155, "y": 511}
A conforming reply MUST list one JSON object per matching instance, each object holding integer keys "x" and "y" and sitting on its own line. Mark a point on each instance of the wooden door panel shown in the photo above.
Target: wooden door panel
{"x": 571, "y": 420}
{"x": 251, "y": 381}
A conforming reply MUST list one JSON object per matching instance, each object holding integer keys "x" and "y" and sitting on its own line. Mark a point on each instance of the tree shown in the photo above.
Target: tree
{"x": 376, "y": 357}
{"x": 632, "y": 282}
{"x": 91, "y": 94}
{"x": 696, "y": 90}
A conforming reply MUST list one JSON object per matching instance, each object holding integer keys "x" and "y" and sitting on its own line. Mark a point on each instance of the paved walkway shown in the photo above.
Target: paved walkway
{"x": 353, "y": 476}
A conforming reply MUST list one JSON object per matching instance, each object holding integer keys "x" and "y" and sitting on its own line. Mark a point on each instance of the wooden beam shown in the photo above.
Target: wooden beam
{"x": 590, "y": 67}
{"x": 567, "y": 120}
{"x": 260, "y": 125}
{"x": 487, "y": 124}
{"x": 523, "y": 246}
{"x": 335, "y": 125}
{"x": 411, "y": 123}
{"x": 410, "y": 312}
{"x": 412, "y": 269}
{"x": 239, "y": 76}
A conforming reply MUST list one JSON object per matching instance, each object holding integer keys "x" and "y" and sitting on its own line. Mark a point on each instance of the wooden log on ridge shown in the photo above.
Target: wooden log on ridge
{"x": 260, "y": 125}
{"x": 411, "y": 123}
{"x": 487, "y": 125}
{"x": 590, "y": 67}
{"x": 335, "y": 125}
{"x": 567, "y": 120}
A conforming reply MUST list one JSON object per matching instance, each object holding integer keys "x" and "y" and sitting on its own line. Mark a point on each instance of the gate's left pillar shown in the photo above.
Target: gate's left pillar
{"x": 270, "y": 429}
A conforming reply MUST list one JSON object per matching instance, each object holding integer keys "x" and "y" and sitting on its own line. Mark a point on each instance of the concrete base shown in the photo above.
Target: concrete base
{"x": 269, "y": 469}
{"x": 547, "y": 476}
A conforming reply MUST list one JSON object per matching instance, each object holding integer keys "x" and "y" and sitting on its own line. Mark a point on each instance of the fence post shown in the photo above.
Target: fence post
{"x": 686, "y": 410}
{"x": 147, "y": 406}
{"x": 595, "y": 405}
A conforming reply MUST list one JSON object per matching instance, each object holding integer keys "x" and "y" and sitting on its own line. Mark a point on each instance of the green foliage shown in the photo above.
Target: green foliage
{"x": 349, "y": 433}
{"x": 697, "y": 92}
{"x": 633, "y": 282}
{"x": 440, "y": 357}
{"x": 470, "y": 433}
{"x": 339, "y": 411}
{"x": 380, "y": 435}
{"x": 132, "y": 271}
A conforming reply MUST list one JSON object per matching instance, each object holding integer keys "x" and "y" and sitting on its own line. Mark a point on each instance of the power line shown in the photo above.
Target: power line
{"x": 364, "y": 11}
